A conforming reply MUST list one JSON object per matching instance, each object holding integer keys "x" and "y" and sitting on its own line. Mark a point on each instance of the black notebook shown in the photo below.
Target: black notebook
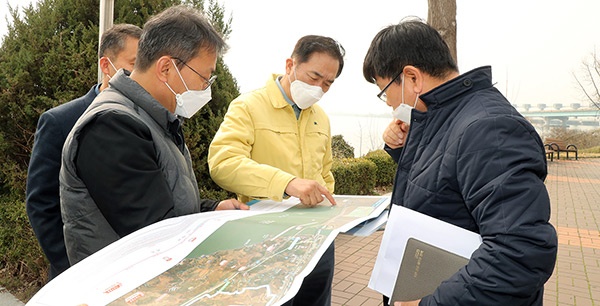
{"x": 422, "y": 270}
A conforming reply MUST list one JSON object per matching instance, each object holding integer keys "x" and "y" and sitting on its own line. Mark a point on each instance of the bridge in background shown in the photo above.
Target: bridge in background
{"x": 574, "y": 115}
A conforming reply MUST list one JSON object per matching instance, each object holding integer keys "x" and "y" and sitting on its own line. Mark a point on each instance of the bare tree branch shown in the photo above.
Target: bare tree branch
{"x": 585, "y": 91}
{"x": 591, "y": 79}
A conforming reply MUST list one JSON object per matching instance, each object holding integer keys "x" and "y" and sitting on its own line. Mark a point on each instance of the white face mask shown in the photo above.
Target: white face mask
{"x": 305, "y": 95}
{"x": 190, "y": 101}
{"x": 404, "y": 111}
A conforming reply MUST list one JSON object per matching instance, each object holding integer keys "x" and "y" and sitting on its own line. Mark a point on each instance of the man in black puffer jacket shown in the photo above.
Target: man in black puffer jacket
{"x": 467, "y": 157}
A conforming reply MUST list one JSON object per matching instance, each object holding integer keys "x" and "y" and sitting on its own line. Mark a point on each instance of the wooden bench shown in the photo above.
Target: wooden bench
{"x": 558, "y": 146}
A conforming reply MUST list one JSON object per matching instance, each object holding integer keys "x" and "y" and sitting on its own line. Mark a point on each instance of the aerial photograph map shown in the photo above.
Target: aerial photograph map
{"x": 253, "y": 260}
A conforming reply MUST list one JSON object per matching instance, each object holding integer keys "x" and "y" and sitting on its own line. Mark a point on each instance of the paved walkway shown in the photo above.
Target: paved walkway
{"x": 574, "y": 188}
{"x": 7, "y": 299}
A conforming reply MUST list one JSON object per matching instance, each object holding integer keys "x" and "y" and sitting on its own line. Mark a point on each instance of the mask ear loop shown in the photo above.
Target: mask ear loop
{"x": 402, "y": 80}
{"x": 416, "y": 98}
{"x": 295, "y": 76}
{"x": 115, "y": 68}
{"x": 179, "y": 73}
{"x": 176, "y": 94}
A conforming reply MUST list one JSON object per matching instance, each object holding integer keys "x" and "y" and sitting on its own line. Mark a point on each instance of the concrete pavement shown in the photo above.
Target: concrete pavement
{"x": 7, "y": 299}
{"x": 574, "y": 189}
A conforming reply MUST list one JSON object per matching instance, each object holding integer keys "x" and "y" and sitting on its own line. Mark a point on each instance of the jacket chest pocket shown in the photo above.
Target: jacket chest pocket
{"x": 315, "y": 146}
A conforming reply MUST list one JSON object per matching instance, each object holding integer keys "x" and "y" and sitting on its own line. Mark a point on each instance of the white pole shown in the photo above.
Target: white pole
{"x": 107, "y": 12}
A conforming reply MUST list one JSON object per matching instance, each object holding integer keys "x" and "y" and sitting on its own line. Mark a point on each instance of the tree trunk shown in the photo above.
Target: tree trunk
{"x": 442, "y": 17}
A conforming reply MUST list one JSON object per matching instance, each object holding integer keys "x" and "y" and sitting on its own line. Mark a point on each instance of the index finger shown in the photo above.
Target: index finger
{"x": 328, "y": 195}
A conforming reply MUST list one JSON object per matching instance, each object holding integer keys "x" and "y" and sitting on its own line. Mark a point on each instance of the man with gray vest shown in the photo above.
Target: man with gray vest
{"x": 125, "y": 163}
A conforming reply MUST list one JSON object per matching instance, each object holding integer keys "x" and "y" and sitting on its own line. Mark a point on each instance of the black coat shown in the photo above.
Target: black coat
{"x": 42, "y": 195}
{"x": 472, "y": 160}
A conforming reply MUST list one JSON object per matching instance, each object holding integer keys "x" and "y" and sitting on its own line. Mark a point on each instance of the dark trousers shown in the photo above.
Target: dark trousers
{"x": 316, "y": 287}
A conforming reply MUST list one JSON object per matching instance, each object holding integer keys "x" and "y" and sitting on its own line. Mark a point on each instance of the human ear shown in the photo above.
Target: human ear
{"x": 415, "y": 77}
{"x": 104, "y": 65}
{"x": 162, "y": 68}
{"x": 289, "y": 63}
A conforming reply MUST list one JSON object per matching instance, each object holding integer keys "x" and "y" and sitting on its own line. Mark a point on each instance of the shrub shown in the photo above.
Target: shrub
{"x": 22, "y": 262}
{"x": 386, "y": 167}
{"x": 594, "y": 150}
{"x": 340, "y": 148}
{"x": 582, "y": 139}
{"x": 354, "y": 176}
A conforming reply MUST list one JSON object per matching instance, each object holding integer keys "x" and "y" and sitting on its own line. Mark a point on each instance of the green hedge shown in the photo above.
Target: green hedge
{"x": 23, "y": 265}
{"x": 354, "y": 176}
{"x": 386, "y": 167}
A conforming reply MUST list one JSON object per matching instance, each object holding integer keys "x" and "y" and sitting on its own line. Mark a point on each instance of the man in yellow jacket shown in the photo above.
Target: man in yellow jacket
{"x": 275, "y": 142}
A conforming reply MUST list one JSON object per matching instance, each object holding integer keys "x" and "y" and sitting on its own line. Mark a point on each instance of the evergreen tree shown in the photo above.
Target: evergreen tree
{"x": 340, "y": 148}
{"x": 49, "y": 57}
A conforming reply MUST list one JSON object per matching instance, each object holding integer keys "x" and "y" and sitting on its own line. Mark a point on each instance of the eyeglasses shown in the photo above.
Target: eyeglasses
{"x": 382, "y": 95}
{"x": 208, "y": 81}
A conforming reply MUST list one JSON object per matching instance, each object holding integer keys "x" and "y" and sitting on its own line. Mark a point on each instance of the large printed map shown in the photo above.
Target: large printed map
{"x": 256, "y": 259}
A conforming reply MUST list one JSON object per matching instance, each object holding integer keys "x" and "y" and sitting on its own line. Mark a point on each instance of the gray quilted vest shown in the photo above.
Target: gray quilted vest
{"x": 85, "y": 228}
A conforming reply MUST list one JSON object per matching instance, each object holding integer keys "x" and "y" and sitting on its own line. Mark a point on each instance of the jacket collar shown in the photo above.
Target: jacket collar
{"x": 474, "y": 80}
{"x": 276, "y": 95}
{"x": 141, "y": 98}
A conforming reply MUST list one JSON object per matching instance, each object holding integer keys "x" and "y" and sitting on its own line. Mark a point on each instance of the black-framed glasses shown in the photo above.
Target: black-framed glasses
{"x": 382, "y": 95}
{"x": 208, "y": 81}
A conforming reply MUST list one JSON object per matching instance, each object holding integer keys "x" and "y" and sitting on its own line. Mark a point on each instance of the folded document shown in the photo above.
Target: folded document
{"x": 425, "y": 246}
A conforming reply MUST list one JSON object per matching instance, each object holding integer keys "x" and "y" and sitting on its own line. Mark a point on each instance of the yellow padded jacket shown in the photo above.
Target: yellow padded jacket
{"x": 261, "y": 146}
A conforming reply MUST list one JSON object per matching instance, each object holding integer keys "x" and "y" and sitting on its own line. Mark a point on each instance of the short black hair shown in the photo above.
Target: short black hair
{"x": 179, "y": 31}
{"x": 411, "y": 42}
{"x": 310, "y": 44}
{"x": 113, "y": 40}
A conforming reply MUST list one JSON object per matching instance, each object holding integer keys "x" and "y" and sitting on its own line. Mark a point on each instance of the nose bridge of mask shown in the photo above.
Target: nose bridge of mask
{"x": 179, "y": 73}
{"x": 313, "y": 90}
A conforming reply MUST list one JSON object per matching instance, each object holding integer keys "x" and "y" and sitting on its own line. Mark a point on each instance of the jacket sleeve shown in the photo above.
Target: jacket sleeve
{"x": 208, "y": 205}
{"x": 42, "y": 195}
{"x": 500, "y": 172}
{"x": 393, "y": 153}
{"x": 230, "y": 162}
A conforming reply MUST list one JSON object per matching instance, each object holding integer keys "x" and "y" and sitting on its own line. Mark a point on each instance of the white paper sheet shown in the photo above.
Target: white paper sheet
{"x": 404, "y": 223}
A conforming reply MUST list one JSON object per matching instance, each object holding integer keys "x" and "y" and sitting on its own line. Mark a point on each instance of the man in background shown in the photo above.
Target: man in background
{"x": 118, "y": 49}
{"x": 275, "y": 142}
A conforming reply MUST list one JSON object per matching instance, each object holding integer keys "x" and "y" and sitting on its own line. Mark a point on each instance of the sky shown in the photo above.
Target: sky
{"x": 533, "y": 46}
